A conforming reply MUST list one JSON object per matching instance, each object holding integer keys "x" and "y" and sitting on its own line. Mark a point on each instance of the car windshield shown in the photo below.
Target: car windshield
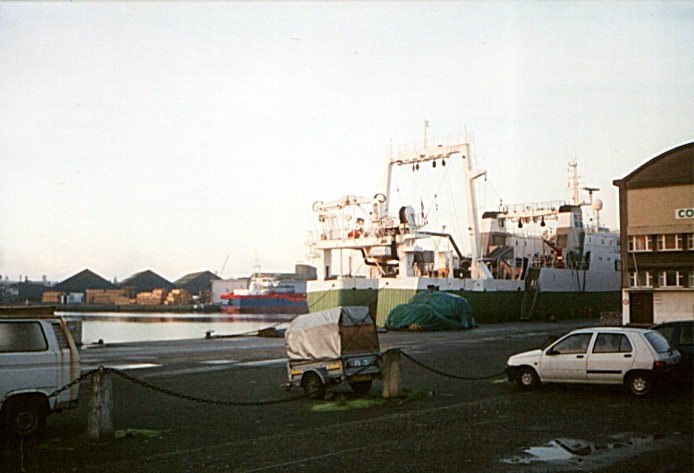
{"x": 657, "y": 341}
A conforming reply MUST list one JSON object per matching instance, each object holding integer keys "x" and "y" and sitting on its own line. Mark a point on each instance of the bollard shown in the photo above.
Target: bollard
{"x": 391, "y": 382}
{"x": 100, "y": 421}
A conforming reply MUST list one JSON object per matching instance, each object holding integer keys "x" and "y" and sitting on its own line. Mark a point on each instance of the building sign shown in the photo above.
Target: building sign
{"x": 684, "y": 213}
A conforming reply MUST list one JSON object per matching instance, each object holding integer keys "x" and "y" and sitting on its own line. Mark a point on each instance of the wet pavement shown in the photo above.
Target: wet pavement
{"x": 441, "y": 424}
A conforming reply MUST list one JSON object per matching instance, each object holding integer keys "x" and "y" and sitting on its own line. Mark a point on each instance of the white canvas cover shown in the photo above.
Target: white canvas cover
{"x": 317, "y": 335}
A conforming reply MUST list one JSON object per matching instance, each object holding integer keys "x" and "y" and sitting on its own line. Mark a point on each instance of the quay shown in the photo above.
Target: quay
{"x": 440, "y": 424}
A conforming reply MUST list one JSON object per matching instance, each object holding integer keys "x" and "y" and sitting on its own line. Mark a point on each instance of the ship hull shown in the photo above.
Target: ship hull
{"x": 266, "y": 304}
{"x": 587, "y": 294}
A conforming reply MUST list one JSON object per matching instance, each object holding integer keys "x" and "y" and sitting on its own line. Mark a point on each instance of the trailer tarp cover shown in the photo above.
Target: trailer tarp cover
{"x": 331, "y": 333}
{"x": 432, "y": 310}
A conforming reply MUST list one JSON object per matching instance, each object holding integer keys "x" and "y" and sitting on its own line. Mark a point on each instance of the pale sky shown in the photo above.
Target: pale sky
{"x": 166, "y": 136}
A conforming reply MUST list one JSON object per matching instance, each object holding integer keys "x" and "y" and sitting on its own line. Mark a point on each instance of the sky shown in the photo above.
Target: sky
{"x": 178, "y": 136}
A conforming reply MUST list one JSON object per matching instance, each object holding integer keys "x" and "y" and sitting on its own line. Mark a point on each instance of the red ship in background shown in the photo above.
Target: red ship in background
{"x": 265, "y": 295}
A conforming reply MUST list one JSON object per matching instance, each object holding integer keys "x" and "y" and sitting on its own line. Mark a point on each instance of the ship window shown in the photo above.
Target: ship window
{"x": 669, "y": 242}
{"x": 640, "y": 243}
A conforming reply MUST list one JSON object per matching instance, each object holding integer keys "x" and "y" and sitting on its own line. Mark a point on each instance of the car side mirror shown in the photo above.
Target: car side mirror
{"x": 550, "y": 352}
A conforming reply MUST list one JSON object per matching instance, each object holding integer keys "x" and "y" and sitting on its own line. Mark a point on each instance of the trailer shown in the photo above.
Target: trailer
{"x": 331, "y": 347}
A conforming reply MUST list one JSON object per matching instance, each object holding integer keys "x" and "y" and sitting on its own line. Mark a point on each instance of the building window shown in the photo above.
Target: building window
{"x": 691, "y": 278}
{"x": 669, "y": 242}
{"x": 640, "y": 243}
{"x": 670, "y": 278}
{"x": 641, "y": 279}
{"x": 690, "y": 241}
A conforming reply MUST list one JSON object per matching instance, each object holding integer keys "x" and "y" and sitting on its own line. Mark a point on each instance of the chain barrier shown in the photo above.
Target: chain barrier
{"x": 448, "y": 375}
{"x": 218, "y": 402}
{"x": 169, "y": 392}
{"x": 75, "y": 382}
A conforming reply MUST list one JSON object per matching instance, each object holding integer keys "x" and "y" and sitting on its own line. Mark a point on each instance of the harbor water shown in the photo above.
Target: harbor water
{"x": 124, "y": 327}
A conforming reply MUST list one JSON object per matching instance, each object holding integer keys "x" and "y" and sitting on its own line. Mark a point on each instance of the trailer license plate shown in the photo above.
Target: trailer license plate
{"x": 361, "y": 377}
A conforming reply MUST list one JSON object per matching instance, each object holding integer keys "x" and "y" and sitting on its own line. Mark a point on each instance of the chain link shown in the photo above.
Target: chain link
{"x": 448, "y": 375}
{"x": 169, "y": 392}
{"x": 75, "y": 382}
{"x": 215, "y": 402}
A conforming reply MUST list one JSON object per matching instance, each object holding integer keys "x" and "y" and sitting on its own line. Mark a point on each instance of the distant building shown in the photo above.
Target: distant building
{"x": 80, "y": 282}
{"x": 145, "y": 281}
{"x": 305, "y": 272}
{"x": 197, "y": 283}
{"x": 28, "y": 291}
{"x": 225, "y": 286}
{"x": 656, "y": 212}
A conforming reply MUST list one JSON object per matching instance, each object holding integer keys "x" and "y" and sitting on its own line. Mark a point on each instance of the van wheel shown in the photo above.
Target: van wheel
{"x": 527, "y": 379}
{"x": 24, "y": 417}
{"x": 361, "y": 387}
{"x": 640, "y": 384}
{"x": 313, "y": 386}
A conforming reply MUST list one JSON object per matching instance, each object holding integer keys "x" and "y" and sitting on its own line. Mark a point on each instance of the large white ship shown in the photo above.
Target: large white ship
{"x": 531, "y": 261}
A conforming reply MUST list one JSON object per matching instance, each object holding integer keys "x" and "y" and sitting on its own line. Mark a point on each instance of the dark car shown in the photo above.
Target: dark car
{"x": 680, "y": 334}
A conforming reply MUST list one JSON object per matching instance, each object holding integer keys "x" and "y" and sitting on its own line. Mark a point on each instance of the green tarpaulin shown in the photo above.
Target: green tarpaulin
{"x": 432, "y": 310}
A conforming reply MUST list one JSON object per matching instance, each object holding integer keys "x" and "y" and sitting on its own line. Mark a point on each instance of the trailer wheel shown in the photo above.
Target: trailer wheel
{"x": 361, "y": 387}
{"x": 313, "y": 385}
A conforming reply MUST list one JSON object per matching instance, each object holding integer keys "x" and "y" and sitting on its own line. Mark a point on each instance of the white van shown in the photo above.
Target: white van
{"x": 37, "y": 357}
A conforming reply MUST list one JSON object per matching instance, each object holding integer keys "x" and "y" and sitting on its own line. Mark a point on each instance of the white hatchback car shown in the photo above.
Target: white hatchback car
{"x": 605, "y": 355}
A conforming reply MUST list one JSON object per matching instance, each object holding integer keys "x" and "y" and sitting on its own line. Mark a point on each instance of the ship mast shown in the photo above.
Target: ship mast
{"x": 416, "y": 157}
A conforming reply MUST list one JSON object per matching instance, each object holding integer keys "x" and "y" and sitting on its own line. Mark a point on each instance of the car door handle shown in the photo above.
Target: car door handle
{"x": 579, "y": 356}
{"x": 627, "y": 356}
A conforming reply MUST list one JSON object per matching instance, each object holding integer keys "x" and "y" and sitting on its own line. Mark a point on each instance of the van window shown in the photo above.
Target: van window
{"x": 21, "y": 337}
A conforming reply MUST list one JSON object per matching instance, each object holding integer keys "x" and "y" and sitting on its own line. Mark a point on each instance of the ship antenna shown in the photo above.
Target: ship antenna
{"x": 426, "y": 126}
{"x": 573, "y": 165}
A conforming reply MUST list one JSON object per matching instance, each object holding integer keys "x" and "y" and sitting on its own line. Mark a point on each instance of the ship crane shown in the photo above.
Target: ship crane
{"x": 442, "y": 152}
{"x": 558, "y": 257}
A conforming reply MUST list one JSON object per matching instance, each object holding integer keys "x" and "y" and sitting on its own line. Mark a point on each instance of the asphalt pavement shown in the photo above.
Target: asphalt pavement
{"x": 216, "y": 421}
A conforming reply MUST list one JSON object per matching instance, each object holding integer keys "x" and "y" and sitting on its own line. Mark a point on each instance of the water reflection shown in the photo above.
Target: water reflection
{"x": 124, "y": 327}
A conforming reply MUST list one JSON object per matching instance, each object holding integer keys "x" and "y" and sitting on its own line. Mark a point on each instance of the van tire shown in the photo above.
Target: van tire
{"x": 24, "y": 416}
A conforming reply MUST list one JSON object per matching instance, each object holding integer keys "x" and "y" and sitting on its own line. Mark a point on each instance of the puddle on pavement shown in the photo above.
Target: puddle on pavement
{"x": 124, "y": 366}
{"x": 563, "y": 449}
{"x": 553, "y": 451}
{"x": 277, "y": 361}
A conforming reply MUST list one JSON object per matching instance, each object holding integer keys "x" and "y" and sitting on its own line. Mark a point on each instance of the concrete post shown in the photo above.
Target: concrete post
{"x": 100, "y": 420}
{"x": 391, "y": 382}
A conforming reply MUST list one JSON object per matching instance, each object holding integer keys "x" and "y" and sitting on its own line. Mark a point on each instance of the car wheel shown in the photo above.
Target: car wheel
{"x": 313, "y": 386}
{"x": 640, "y": 384}
{"x": 24, "y": 417}
{"x": 528, "y": 379}
{"x": 361, "y": 387}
